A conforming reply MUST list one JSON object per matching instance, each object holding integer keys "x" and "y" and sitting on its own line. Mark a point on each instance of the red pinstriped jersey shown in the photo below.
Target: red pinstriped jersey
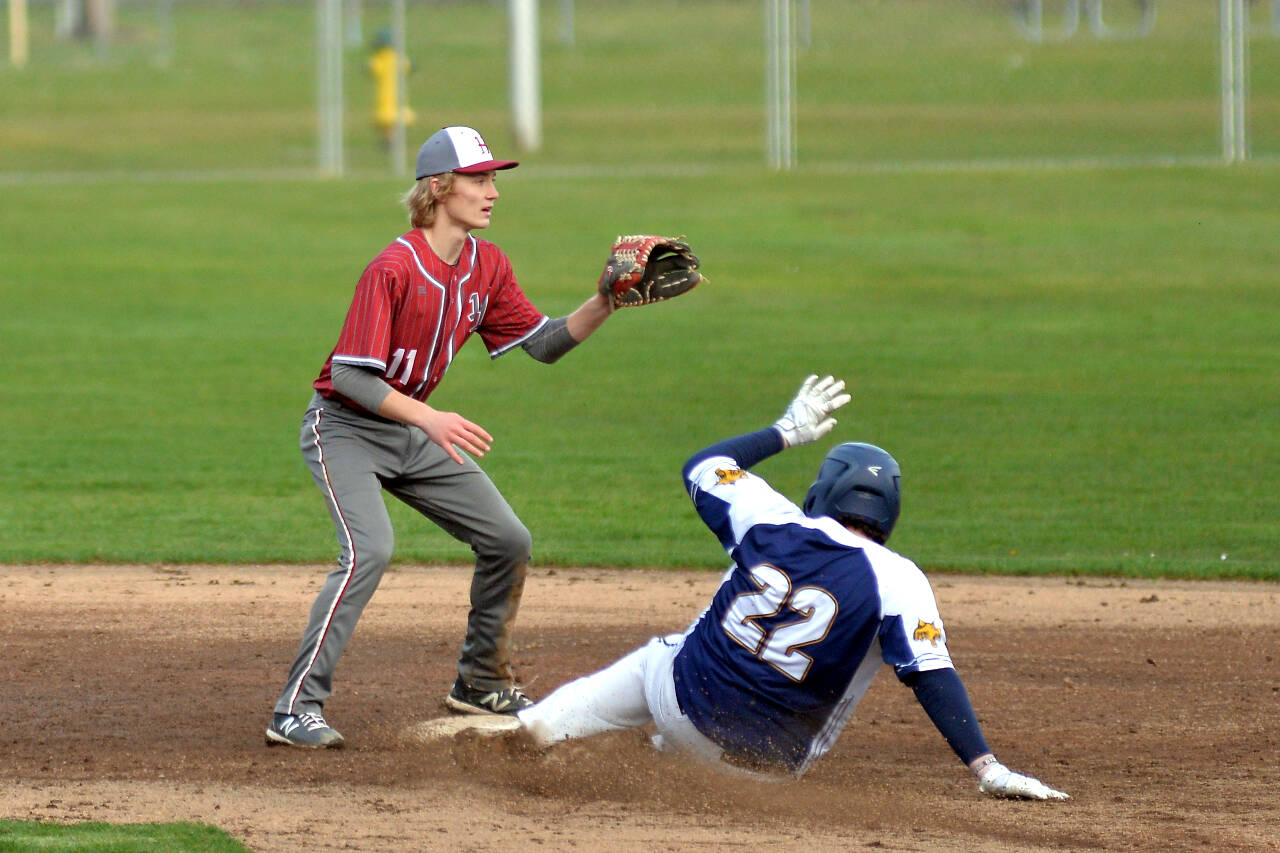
{"x": 412, "y": 312}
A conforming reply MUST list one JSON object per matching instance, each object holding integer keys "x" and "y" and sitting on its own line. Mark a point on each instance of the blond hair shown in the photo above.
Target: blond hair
{"x": 421, "y": 200}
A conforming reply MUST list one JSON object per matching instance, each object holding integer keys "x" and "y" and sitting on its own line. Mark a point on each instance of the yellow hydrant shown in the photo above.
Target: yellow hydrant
{"x": 385, "y": 66}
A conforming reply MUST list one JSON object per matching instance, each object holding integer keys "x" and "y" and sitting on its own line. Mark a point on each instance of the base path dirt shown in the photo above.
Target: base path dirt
{"x": 140, "y": 693}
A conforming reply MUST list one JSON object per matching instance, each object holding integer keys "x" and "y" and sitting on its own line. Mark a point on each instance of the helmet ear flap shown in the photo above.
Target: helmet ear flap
{"x": 817, "y": 499}
{"x": 813, "y": 497}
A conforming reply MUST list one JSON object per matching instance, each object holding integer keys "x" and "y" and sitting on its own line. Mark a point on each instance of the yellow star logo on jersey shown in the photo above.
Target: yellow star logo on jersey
{"x": 727, "y": 476}
{"x": 927, "y": 631}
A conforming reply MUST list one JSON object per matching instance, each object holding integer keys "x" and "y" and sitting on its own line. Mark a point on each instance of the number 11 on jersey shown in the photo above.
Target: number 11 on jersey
{"x": 397, "y": 357}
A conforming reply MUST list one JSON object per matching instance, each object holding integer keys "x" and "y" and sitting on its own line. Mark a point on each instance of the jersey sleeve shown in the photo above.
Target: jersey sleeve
{"x": 731, "y": 500}
{"x": 366, "y": 332}
{"x": 509, "y": 318}
{"x": 912, "y": 636}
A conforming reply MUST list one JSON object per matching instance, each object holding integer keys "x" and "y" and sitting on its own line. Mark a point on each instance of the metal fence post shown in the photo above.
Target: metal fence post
{"x": 526, "y": 98}
{"x": 1233, "y": 28}
{"x": 779, "y": 84}
{"x": 329, "y": 87}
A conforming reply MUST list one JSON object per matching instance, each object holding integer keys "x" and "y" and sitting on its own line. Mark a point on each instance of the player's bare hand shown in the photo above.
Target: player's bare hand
{"x": 451, "y": 431}
{"x": 808, "y": 418}
{"x": 999, "y": 781}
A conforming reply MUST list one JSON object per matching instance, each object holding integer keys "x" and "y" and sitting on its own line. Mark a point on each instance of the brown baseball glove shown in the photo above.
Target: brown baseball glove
{"x": 646, "y": 268}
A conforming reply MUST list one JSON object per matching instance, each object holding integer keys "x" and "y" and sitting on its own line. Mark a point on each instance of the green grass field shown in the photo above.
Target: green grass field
{"x": 21, "y": 836}
{"x": 1078, "y": 368}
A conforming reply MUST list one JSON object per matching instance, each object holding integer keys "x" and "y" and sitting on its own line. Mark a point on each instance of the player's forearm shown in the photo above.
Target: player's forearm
{"x": 747, "y": 450}
{"x": 562, "y": 334}
{"x": 942, "y": 695}
{"x": 450, "y": 430}
{"x": 371, "y": 391}
{"x": 406, "y": 410}
{"x": 589, "y": 317}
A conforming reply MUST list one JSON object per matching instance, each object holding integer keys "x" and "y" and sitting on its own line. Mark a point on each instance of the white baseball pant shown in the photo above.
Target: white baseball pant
{"x": 634, "y": 691}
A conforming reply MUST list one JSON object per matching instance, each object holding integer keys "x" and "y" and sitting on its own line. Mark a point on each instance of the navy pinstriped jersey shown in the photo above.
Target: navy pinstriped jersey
{"x": 809, "y": 612}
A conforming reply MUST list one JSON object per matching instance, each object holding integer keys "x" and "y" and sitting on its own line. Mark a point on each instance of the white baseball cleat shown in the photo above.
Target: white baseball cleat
{"x": 444, "y": 728}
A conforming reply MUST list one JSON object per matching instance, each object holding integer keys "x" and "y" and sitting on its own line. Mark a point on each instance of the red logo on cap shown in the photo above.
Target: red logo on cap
{"x": 483, "y": 147}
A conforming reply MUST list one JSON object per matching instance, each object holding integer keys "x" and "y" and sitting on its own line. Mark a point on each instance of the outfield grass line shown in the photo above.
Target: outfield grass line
{"x": 150, "y": 176}
{"x": 1031, "y": 164}
{"x": 874, "y": 167}
{"x": 871, "y": 167}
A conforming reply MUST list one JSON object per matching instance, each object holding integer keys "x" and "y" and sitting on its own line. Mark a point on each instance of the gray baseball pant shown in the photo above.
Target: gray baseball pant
{"x": 353, "y": 458}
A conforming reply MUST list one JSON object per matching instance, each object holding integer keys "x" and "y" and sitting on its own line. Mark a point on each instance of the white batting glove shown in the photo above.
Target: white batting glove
{"x": 999, "y": 781}
{"x": 808, "y": 418}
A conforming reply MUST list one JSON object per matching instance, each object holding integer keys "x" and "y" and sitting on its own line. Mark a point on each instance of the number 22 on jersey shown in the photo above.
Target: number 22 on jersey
{"x": 780, "y": 647}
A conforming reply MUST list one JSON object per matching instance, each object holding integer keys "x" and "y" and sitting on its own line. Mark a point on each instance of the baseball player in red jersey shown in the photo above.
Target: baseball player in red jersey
{"x": 370, "y": 427}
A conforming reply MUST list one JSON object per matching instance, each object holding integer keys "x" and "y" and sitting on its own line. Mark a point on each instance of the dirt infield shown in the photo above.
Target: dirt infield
{"x": 141, "y": 693}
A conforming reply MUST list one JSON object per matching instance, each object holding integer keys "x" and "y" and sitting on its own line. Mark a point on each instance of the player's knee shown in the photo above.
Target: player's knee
{"x": 376, "y": 556}
{"x": 512, "y": 544}
{"x": 518, "y": 544}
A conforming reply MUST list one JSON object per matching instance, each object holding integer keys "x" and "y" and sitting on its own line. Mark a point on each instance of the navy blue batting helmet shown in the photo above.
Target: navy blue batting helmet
{"x": 859, "y": 482}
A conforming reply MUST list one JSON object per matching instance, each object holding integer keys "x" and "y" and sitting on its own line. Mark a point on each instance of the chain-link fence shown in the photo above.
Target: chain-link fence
{"x": 196, "y": 86}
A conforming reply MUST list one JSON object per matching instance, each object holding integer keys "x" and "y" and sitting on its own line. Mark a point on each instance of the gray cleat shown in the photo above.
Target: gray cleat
{"x": 306, "y": 730}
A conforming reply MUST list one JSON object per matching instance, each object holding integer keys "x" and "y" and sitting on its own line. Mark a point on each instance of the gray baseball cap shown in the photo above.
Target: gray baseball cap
{"x": 457, "y": 149}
